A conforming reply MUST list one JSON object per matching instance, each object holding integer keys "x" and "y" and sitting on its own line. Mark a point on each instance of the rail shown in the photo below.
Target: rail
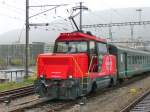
{"x": 139, "y": 104}
{"x": 15, "y": 93}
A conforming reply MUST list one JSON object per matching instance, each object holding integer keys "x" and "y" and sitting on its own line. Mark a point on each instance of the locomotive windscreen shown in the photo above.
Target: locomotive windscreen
{"x": 71, "y": 47}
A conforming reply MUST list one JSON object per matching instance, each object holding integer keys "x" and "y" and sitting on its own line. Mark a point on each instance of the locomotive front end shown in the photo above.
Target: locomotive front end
{"x": 59, "y": 75}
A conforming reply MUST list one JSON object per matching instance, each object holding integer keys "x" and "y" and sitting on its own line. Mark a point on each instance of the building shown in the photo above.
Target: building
{"x": 16, "y": 51}
{"x": 48, "y": 47}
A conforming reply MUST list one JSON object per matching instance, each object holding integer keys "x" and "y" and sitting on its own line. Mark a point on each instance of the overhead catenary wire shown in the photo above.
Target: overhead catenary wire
{"x": 20, "y": 34}
{"x": 19, "y": 11}
{"x": 11, "y": 17}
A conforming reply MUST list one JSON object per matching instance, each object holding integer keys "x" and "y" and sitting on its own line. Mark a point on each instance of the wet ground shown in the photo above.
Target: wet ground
{"x": 114, "y": 100}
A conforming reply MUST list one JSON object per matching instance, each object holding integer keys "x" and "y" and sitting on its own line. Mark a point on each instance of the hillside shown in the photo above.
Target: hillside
{"x": 105, "y": 16}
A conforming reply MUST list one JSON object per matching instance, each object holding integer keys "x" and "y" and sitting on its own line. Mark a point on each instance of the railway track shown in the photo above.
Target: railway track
{"x": 53, "y": 106}
{"x": 15, "y": 93}
{"x": 141, "y": 104}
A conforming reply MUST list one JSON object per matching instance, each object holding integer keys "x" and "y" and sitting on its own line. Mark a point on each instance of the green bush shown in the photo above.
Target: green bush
{"x": 31, "y": 62}
{"x": 2, "y": 61}
{"x": 16, "y": 62}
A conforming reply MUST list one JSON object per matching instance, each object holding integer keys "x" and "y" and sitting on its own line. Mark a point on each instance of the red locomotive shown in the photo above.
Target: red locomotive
{"x": 79, "y": 64}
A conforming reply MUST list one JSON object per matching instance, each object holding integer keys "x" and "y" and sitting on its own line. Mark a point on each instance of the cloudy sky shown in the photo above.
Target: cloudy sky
{"x": 12, "y": 12}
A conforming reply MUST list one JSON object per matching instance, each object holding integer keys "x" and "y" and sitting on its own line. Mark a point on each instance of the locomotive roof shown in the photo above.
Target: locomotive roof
{"x": 78, "y": 36}
{"x": 130, "y": 49}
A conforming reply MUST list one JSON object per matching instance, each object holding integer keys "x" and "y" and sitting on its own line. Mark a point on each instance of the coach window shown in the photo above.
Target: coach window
{"x": 129, "y": 60}
{"x": 137, "y": 59}
{"x": 133, "y": 57}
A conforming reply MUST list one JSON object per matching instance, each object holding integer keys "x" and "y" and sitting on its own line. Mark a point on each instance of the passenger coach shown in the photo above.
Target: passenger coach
{"x": 130, "y": 62}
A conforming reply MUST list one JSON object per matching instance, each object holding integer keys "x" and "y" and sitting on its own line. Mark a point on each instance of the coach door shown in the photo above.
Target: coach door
{"x": 123, "y": 65}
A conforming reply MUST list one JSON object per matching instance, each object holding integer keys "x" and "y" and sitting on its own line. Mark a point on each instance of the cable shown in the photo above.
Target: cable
{"x": 11, "y": 9}
{"x": 16, "y": 9}
{"x": 114, "y": 10}
{"x": 99, "y": 17}
{"x": 20, "y": 34}
{"x": 11, "y": 17}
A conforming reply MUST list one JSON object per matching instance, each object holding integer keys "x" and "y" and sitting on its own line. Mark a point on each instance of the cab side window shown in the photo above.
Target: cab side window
{"x": 102, "y": 48}
{"x": 92, "y": 47}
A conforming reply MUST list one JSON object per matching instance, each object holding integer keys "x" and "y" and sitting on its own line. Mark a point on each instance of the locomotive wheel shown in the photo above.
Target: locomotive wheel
{"x": 43, "y": 90}
{"x": 94, "y": 87}
{"x": 121, "y": 81}
{"x": 113, "y": 82}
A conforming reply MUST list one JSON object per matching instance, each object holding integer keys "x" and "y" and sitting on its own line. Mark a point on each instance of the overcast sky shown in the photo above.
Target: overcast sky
{"x": 12, "y": 12}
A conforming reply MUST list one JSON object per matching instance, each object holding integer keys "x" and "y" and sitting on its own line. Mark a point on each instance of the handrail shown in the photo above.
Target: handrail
{"x": 90, "y": 64}
{"x": 77, "y": 65}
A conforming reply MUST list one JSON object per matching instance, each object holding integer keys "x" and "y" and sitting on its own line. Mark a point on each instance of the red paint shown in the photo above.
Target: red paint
{"x": 108, "y": 67}
{"x": 78, "y": 36}
{"x": 60, "y": 66}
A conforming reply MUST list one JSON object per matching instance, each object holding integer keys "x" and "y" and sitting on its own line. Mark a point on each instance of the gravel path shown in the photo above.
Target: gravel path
{"x": 114, "y": 100}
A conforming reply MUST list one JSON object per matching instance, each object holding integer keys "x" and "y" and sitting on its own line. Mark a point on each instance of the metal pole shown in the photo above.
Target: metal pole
{"x": 132, "y": 34}
{"x": 110, "y": 33}
{"x": 27, "y": 38}
{"x": 140, "y": 15}
{"x": 80, "y": 16}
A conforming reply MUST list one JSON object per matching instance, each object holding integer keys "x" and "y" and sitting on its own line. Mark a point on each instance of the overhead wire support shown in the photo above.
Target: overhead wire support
{"x": 129, "y": 42}
{"x": 27, "y": 40}
{"x": 43, "y": 12}
{"x": 81, "y": 7}
{"x": 39, "y": 24}
{"x": 56, "y": 6}
{"x": 110, "y": 25}
{"x": 117, "y": 24}
{"x": 80, "y": 12}
{"x": 48, "y": 5}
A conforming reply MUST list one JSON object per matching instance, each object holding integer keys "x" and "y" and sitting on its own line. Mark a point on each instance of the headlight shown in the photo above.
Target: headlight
{"x": 70, "y": 76}
{"x": 41, "y": 76}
